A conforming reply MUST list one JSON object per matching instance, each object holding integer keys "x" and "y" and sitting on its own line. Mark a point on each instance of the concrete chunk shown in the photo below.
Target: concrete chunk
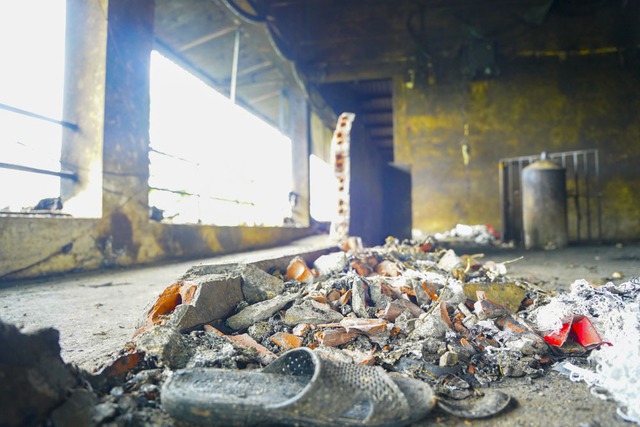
{"x": 330, "y": 263}
{"x": 449, "y": 261}
{"x": 258, "y": 285}
{"x": 313, "y": 313}
{"x": 358, "y": 297}
{"x": 259, "y": 311}
{"x": 215, "y": 297}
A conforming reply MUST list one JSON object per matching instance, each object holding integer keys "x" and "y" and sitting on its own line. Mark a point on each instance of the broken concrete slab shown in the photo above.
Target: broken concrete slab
{"x": 215, "y": 297}
{"x": 259, "y": 311}
{"x": 34, "y": 379}
{"x": 311, "y": 312}
{"x": 258, "y": 285}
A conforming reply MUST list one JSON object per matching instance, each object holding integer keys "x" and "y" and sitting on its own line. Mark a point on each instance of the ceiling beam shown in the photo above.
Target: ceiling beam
{"x": 207, "y": 38}
{"x": 264, "y": 97}
{"x": 353, "y": 71}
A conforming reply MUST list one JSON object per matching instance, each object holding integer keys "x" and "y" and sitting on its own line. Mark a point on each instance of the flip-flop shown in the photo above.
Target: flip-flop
{"x": 298, "y": 388}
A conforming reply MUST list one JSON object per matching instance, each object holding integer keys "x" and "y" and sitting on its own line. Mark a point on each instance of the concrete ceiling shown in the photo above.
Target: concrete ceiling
{"x": 346, "y": 51}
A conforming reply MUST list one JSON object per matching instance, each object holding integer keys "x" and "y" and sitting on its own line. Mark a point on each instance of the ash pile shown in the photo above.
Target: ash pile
{"x": 411, "y": 309}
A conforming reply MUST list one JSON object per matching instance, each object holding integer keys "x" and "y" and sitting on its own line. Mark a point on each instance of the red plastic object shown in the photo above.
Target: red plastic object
{"x": 558, "y": 338}
{"x": 586, "y": 334}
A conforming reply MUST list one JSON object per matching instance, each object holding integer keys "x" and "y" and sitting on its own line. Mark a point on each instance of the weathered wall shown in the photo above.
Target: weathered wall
{"x": 535, "y": 105}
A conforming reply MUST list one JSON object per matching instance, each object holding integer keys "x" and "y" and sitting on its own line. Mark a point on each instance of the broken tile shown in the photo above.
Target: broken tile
{"x": 392, "y": 310}
{"x": 259, "y": 311}
{"x": 335, "y": 337}
{"x": 388, "y": 268}
{"x": 366, "y": 326}
{"x": 334, "y": 295}
{"x": 311, "y": 312}
{"x": 361, "y": 267}
{"x": 286, "y": 341}
{"x": 258, "y": 285}
{"x": 298, "y": 270}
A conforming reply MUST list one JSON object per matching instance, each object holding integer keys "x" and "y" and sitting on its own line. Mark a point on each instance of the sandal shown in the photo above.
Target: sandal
{"x": 298, "y": 388}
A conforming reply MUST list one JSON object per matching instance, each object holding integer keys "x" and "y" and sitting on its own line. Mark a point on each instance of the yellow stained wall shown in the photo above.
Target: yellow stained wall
{"x": 535, "y": 105}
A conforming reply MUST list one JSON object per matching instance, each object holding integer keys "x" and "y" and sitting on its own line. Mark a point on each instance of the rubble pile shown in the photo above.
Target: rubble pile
{"x": 409, "y": 308}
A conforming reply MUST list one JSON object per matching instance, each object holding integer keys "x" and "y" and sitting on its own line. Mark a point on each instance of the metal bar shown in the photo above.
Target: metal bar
{"x": 234, "y": 67}
{"x": 66, "y": 175}
{"x": 511, "y": 198}
{"x": 587, "y": 193}
{"x": 598, "y": 198}
{"x": 72, "y": 126}
{"x": 506, "y": 233}
{"x": 577, "y": 194}
{"x": 186, "y": 193}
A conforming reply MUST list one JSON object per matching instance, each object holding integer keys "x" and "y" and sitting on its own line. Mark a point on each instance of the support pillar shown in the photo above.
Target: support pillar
{"x": 126, "y": 129}
{"x": 300, "y": 151}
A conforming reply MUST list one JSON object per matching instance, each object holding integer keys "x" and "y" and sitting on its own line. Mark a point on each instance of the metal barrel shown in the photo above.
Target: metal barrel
{"x": 544, "y": 205}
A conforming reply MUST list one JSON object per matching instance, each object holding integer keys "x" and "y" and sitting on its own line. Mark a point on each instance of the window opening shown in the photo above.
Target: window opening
{"x": 31, "y": 96}
{"x": 212, "y": 161}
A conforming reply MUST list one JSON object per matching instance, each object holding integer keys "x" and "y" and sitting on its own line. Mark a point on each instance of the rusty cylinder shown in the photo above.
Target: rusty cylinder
{"x": 544, "y": 205}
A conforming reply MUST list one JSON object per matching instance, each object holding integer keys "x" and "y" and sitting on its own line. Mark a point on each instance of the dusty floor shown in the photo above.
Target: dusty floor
{"x": 97, "y": 313}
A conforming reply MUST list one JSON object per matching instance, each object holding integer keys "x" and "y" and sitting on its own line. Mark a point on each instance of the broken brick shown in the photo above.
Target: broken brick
{"x": 388, "y": 268}
{"x": 335, "y": 337}
{"x": 286, "y": 341}
{"x": 298, "y": 270}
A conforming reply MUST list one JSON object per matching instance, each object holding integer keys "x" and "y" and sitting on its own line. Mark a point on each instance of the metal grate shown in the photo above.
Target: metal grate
{"x": 583, "y": 194}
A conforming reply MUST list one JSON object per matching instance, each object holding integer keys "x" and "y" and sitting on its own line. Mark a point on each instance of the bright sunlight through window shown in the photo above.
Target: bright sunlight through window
{"x": 31, "y": 79}
{"x": 213, "y": 162}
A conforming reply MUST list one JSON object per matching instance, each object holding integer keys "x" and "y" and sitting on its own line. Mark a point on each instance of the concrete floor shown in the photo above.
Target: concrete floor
{"x": 96, "y": 314}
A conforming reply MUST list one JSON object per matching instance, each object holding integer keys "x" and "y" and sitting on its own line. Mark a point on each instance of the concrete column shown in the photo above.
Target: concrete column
{"x": 126, "y": 127}
{"x": 300, "y": 150}
{"x": 84, "y": 86}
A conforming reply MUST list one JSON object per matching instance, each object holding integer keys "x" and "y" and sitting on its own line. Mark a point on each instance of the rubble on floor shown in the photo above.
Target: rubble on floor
{"x": 409, "y": 308}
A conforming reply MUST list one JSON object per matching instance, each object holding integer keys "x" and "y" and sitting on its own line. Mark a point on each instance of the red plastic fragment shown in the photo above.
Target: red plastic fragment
{"x": 586, "y": 334}
{"x": 558, "y": 338}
